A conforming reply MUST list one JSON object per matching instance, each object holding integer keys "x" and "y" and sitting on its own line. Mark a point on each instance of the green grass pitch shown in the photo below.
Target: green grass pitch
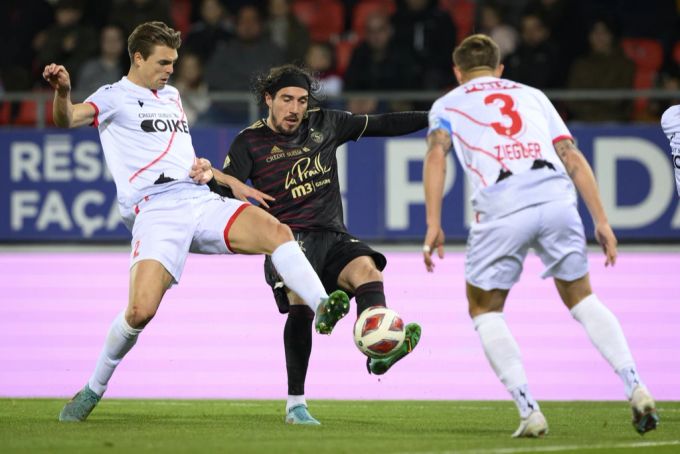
{"x": 372, "y": 427}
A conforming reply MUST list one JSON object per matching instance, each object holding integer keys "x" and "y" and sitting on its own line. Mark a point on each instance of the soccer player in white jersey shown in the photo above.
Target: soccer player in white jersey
{"x": 521, "y": 159}
{"x": 670, "y": 123}
{"x": 164, "y": 201}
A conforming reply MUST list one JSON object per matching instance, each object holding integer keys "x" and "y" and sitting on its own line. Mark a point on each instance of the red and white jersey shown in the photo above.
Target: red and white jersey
{"x": 497, "y": 125}
{"x": 144, "y": 135}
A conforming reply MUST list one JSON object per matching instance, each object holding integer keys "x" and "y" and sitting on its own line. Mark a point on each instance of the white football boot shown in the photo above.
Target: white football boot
{"x": 645, "y": 417}
{"x": 532, "y": 426}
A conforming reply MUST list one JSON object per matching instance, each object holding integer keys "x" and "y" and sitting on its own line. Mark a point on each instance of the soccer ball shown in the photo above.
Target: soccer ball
{"x": 378, "y": 332}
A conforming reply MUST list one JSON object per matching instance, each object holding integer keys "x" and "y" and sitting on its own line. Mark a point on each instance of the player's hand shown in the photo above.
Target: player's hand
{"x": 58, "y": 78}
{"x": 605, "y": 236}
{"x": 244, "y": 192}
{"x": 201, "y": 172}
{"x": 434, "y": 239}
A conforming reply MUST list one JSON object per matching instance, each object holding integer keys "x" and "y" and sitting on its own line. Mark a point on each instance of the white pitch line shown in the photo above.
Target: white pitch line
{"x": 637, "y": 444}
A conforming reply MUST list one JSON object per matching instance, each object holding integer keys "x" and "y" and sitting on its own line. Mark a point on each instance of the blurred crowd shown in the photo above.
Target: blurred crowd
{"x": 358, "y": 46}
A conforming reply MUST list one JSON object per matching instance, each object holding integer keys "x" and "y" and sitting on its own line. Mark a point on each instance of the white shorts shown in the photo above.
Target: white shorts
{"x": 169, "y": 225}
{"x": 496, "y": 249}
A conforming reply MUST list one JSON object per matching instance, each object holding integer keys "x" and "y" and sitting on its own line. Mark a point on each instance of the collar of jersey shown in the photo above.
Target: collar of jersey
{"x": 134, "y": 87}
{"x": 477, "y": 80}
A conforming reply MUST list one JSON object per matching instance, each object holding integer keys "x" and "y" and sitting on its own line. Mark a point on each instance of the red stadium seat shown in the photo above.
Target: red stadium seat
{"x": 676, "y": 53}
{"x": 463, "y": 15}
{"x": 343, "y": 54}
{"x": 365, "y": 8}
{"x": 181, "y": 15}
{"x": 325, "y": 19}
{"x": 28, "y": 114}
{"x": 647, "y": 54}
{"x": 4, "y": 113}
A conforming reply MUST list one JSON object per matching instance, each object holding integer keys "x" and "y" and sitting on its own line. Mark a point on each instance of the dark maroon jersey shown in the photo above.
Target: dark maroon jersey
{"x": 300, "y": 171}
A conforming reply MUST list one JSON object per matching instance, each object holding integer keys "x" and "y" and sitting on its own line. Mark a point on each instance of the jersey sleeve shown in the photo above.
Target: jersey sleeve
{"x": 438, "y": 119}
{"x": 105, "y": 102}
{"x": 556, "y": 127}
{"x": 238, "y": 162}
{"x": 670, "y": 123}
{"x": 348, "y": 126}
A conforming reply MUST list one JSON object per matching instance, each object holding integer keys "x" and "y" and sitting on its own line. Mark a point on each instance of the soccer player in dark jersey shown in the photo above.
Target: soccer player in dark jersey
{"x": 290, "y": 159}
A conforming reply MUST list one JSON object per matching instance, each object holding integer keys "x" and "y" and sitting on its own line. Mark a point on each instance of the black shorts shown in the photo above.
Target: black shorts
{"x": 329, "y": 253}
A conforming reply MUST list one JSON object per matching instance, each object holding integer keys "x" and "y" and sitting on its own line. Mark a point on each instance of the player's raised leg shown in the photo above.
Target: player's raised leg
{"x": 606, "y": 334}
{"x": 504, "y": 355}
{"x": 363, "y": 278}
{"x": 254, "y": 231}
{"x": 148, "y": 282}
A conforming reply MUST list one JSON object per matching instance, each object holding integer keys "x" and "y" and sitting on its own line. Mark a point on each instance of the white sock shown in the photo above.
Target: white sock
{"x": 501, "y": 349}
{"x": 503, "y": 353}
{"x": 294, "y": 401}
{"x": 121, "y": 338}
{"x": 606, "y": 334}
{"x": 630, "y": 379}
{"x": 524, "y": 401}
{"x": 297, "y": 273}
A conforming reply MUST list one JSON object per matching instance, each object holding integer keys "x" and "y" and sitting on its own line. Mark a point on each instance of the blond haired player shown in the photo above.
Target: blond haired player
{"x": 146, "y": 141}
{"x": 523, "y": 164}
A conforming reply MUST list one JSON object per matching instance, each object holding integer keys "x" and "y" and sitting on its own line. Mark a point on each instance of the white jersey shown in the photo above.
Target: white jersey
{"x": 670, "y": 123}
{"x": 145, "y": 137}
{"x": 497, "y": 125}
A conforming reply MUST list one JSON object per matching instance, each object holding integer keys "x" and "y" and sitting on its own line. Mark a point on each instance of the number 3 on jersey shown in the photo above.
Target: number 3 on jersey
{"x": 507, "y": 110}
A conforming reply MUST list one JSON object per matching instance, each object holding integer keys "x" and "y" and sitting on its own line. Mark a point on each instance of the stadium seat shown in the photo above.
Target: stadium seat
{"x": 325, "y": 19}
{"x": 676, "y": 53}
{"x": 647, "y": 54}
{"x": 4, "y": 113}
{"x": 28, "y": 114}
{"x": 343, "y": 54}
{"x": 181, "y": 15}
{"x": 365, "y": 8}
{"x": 463, "y": 15}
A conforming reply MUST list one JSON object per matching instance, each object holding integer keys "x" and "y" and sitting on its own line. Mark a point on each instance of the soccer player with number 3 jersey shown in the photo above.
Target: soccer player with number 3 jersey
{"x": 166, "y": 203}
{"x": 522, "y": 162}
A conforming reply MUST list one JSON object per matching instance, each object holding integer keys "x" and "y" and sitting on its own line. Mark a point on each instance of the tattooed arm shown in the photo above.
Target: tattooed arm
{"x": 582, "y": 175}
{"x": 434, "y": 172}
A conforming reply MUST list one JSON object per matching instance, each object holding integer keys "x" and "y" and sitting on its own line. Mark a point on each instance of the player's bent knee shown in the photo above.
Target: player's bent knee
{"x": 282, "y": 234}
{"x": 373, "y": 273}
{"x": 482, "y": 301}
{"x": 368, "y": 271}
{"x": 573, "y": 291}
{"x": 139, "y": 316}
{"x": 141, "y": 310}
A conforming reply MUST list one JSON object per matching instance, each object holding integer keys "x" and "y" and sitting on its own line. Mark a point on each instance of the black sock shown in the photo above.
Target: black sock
{"x": 369, "y": 294}
{"x": 297, "y": 341}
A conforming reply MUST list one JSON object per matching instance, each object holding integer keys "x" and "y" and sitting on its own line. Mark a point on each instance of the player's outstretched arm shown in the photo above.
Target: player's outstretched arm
{"x": 66, "y": 114}
{"x": 241, "y": 190}
{"x": 394, "y": 123}
{"x": 582, "y": 174}
{"x": 434, "y": 173}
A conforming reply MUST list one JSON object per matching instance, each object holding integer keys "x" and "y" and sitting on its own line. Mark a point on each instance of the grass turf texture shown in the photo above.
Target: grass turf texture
{"x": 30, "y": 425}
